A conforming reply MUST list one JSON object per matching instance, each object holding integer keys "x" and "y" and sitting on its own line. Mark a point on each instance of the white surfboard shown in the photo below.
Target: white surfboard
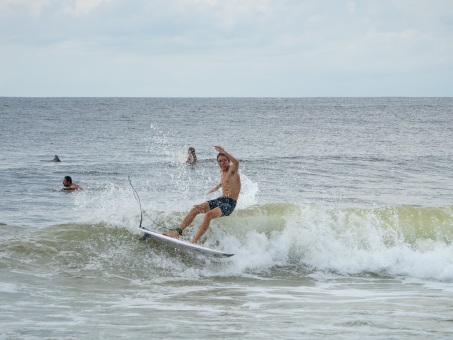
{"x": 195, "y": 248}
{"x": 181, "y": 157}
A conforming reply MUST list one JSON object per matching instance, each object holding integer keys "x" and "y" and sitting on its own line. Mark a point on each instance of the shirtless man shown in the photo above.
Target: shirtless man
{"x": 230, "y": 182}
{"x": 68, "y": 185}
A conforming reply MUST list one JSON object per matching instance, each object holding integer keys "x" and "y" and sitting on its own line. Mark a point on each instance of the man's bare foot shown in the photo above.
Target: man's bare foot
{"x": 172, "y": 233}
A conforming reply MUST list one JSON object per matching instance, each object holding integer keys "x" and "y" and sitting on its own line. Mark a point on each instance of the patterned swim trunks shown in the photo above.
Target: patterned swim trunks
{"x": 225, "y": 204}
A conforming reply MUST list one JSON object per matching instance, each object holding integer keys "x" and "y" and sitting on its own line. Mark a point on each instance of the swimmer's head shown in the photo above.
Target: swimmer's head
{"x": 67, "y": 181}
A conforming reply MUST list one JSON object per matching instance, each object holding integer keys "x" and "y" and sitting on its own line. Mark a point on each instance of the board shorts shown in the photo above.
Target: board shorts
{"x": 225, "y": 204}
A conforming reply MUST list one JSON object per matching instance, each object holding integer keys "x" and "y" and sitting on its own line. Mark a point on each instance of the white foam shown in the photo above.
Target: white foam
{"x": 343, "y": 241}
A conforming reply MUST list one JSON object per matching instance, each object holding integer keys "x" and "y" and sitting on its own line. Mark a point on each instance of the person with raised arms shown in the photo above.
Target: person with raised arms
{"x": 230, "y": 182}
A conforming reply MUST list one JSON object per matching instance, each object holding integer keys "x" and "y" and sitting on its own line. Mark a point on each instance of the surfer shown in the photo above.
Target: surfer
{"x": 192, "y": 157}
{"x": 230, "y": 182}
{"x": 68, "y": 185}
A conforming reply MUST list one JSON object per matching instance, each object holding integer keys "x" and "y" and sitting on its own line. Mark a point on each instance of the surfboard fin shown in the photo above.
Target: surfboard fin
{"x": 144, "y": 237}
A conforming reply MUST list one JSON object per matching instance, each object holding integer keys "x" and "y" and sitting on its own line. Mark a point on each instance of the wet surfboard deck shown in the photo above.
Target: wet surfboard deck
{"x": 195, "y": 248}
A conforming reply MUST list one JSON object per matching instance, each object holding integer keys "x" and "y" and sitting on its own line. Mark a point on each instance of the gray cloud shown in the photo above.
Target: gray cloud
{"x": 225, "y": 48}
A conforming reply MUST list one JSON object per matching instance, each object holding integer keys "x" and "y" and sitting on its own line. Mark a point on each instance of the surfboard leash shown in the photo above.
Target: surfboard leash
{"x": 142, "y": 212}
{"x": 137, "y": 198}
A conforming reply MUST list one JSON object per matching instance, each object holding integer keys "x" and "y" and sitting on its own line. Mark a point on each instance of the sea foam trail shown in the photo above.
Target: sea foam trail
{"x": 389, "y": 241}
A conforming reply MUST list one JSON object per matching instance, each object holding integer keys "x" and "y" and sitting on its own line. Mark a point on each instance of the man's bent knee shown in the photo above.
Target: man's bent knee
{"x": 200, "y": 208}
{"x": 214, "y": 213}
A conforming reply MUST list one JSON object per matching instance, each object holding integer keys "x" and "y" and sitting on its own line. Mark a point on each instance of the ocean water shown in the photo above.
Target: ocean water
{"x": 343, "y": 229}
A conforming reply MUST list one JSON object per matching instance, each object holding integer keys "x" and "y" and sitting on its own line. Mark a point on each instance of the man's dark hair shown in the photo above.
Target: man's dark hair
{"x": 222, "y": 154}
{"x": 68, "y": 178}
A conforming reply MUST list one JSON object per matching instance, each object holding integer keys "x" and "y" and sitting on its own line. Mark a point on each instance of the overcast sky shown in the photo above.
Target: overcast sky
{"x": 226, "y": 48}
